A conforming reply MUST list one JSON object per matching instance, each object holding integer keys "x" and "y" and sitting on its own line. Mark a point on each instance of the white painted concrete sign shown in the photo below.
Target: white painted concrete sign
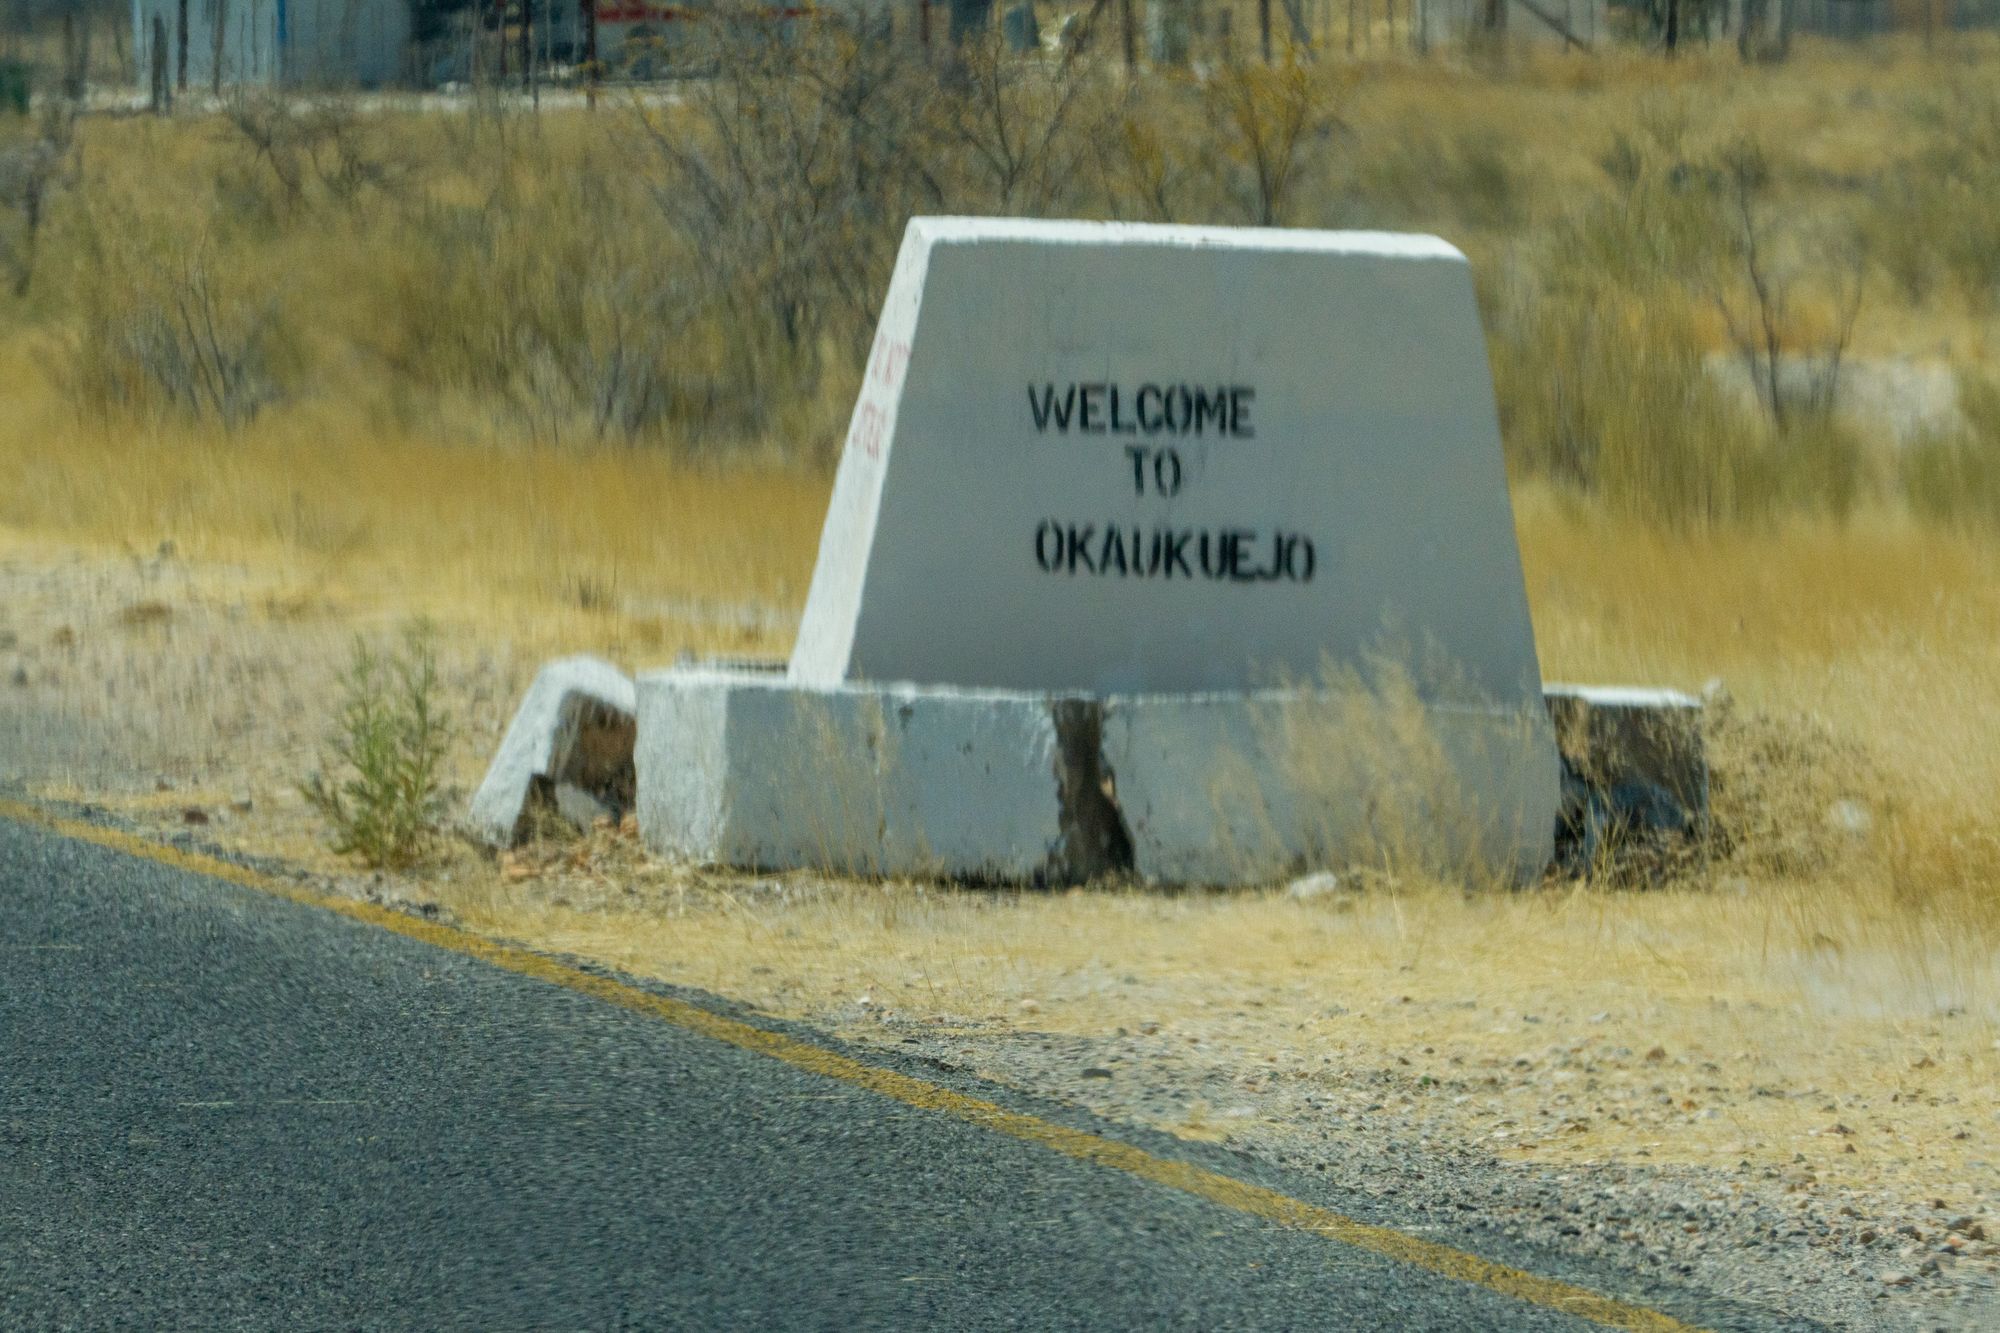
{"x": 1142, "y": 459}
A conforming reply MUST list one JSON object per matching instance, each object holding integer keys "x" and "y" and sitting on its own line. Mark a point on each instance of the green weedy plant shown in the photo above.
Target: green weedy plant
{"x": 391, "y": 738}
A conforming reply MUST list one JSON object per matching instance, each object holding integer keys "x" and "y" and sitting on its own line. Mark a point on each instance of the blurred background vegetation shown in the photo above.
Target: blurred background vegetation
{"x": 1690, "y": 268}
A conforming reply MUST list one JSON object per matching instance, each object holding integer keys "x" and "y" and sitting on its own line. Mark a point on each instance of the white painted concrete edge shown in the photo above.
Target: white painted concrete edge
{"x": 534, "y": 738}
{"x": 1621, "y": 696}
{"x": 950, "y": 230}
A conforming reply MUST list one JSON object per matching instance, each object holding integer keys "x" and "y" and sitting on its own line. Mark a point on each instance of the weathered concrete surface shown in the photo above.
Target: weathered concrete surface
{"x": 1635, "y": 770}
{"x": 1033, "y": 495}
{"x": 1019, "y": 787}
{"x": 570, "y": 744}
{"x": 748, "y": 770}
{"x": 1235, "y": 789}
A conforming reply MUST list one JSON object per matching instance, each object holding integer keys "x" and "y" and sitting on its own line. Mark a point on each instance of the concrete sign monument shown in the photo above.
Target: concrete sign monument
{"x": 1119, "y": 507}
{"x": 1145, "y": 459}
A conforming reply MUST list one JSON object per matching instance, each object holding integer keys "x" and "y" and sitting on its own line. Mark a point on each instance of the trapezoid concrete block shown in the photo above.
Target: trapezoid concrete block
{"x": 574, "y": 729}
{"x": 1119, "y": 458}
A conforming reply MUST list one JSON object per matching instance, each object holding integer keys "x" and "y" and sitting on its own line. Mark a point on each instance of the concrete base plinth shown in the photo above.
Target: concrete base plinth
{"x": 1017, "y": 787}
{"x": 744, "y": 767}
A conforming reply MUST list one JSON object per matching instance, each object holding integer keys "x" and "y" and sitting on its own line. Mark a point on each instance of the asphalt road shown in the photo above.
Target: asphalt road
{"x": 222, "y": 1109}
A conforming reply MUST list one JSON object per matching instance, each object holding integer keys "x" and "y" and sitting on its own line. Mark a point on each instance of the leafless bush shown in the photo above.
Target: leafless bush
{"x": 1270, "y": 124}
{"x": 784, "y": 176}
{"x": 172, "y": 340}
{"x": 1602, "y": 367}
{"x": 795, "y": 169}
{"x": 1143, "y": 167}
{"x": 206, "y": 358}
{"x": 1022, "y": 125}
{"x": 1608, "y": 399}
{"x": 1755, "y": 286}
{"x": 791, "y": 173}
{"x": 600, "y": 357}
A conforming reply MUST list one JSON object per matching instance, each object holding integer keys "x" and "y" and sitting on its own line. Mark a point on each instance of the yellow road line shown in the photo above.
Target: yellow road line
{"x": 1231, "y": 1193}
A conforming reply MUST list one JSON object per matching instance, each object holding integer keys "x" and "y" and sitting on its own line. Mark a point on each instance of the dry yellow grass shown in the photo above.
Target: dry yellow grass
{"x": 623, "y": 550}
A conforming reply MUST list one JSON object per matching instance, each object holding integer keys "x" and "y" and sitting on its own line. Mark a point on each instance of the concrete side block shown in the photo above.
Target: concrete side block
{"x": 1633, "y": 761}
{"x": 755, "y": 771}
{"x": 574, "y": 729}
{"x": 1243, "y": 789}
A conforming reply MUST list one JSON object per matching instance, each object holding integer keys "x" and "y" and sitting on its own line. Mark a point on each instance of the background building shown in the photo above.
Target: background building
{"x": 209, "y": 44}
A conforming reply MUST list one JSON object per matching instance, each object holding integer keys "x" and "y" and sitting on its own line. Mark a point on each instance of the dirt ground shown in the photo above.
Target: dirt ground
{"x": 1776, "y": 1093}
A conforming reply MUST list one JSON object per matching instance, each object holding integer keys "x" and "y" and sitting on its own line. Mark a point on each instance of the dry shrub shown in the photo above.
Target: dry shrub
{"x": 787, "y": 179}
{"x": 1023, "y": 129}
{"x": 1141, "y": 171}
{"x": 1268, "y": 126}
{"x": 1607, "y": 394}
{"x": 1456, "y": 178}
{"x": 555, "y": 306}
{"x": 317, "y": 150}
{"x": 172, "y": 336}
{"x": 1764, "y": 255}
{"x": 1790, "y": 797}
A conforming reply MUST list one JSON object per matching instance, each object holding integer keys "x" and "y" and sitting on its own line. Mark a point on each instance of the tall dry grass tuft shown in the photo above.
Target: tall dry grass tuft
{"x": 1383, "y": 771}
{"x": 1852, "y": 739}
{"x": 595, "y": 546}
